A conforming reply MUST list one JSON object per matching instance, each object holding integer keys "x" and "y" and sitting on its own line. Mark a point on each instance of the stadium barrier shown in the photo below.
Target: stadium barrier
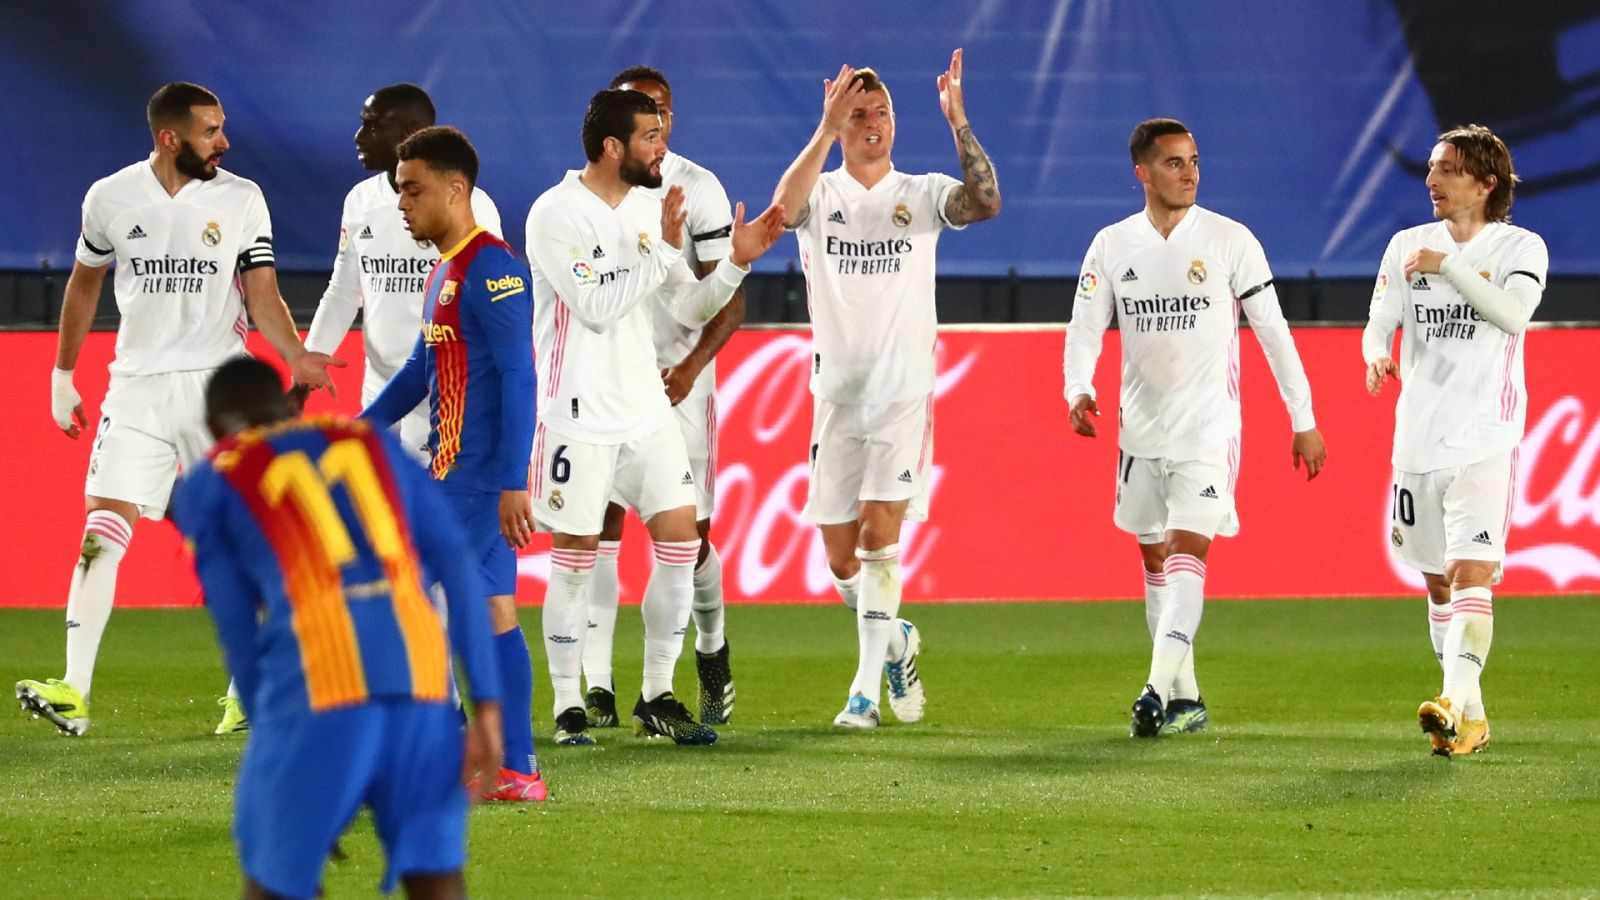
{"x": 1021, "y": 506}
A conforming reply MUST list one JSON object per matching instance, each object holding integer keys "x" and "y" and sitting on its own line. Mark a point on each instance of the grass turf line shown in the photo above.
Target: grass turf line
{"x": 1313, "y": 778}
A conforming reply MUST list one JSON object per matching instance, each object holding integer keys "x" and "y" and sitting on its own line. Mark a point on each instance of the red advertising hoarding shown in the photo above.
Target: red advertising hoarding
{"x": 1021, "y": 506}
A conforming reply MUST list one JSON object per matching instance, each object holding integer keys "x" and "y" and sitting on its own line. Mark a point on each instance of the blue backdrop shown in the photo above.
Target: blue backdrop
{"x": 1313, "y": 118}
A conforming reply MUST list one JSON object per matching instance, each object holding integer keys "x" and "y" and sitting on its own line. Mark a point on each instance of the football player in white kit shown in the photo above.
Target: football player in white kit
{"x": 187, "y": 237}
{"x": 1463, "y": 287}
{"x": 603, "y": 249}
{"x": 867, "y": 236}
{"x": 687, "y": 360}
{"x": 1175, "y": 276}
{"x": 380, "y": 268}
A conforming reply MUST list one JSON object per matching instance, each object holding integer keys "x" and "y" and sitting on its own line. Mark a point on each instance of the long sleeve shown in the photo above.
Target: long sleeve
{"x": 336, "y": 311}
{"x": 595, "y": 301}
{"x": 1507, "y": 308}
{"x": 1092, "y": 308}
{"x": 1386, "y": 310}
{"x": 695, "y": 301}
{"x": 506, "y": 319}
{"x": 442, "y": 546}
{"x": 1272, "y": 331}
{"x": 230, "y": 594}
{"x": 405, "y": 390}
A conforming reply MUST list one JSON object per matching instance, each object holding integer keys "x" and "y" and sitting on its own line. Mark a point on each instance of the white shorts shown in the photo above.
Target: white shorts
{"x": 1461, "y": 513}
{"x": 413, "y": 430}
{"x": 862, "y": 452}
{"x": 150, "y": 426}
{"x": 572, "y": 481}
{"x": 1155, "y": 496}
{"x": 697, "y": 422}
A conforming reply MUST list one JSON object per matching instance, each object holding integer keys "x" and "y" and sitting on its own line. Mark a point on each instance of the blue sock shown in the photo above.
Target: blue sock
{"x": 516, "y": 701}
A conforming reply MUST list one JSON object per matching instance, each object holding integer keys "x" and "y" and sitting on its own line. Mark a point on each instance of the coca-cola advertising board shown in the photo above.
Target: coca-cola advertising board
{"x": 1021, "y": 506}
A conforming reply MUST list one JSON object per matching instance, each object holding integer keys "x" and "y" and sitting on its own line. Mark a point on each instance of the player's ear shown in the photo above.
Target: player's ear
{"x": 612, "y": 147}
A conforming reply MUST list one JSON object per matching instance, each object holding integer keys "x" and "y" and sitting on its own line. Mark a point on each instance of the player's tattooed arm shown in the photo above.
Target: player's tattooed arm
{"x": 978, "y": 198}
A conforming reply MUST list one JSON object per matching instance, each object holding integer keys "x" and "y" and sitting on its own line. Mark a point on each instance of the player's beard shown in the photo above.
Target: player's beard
{"x": 192, "y": 164}
{"x": 637, "y": 172}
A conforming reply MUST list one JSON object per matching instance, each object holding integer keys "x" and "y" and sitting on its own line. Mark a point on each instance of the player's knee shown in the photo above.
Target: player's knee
{"x": 1186, "y": 542}
{"x": 844, "y": 565}
{"x": 611, "y": 528}
{"x": 1468, "y": 573}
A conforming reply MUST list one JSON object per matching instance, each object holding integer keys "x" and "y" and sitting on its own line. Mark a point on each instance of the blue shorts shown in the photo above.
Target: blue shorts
{"x": 303, "y": 779}
{"x": 479, "y": 514}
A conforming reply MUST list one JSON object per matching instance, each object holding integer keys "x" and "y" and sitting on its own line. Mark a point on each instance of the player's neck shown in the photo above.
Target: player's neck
{"x": 869, "y": 173}
{"x": 606, "y": 185}
{"x": 167, "y": 174}
{"x": 1465, "y": 227}
{"x": 458, "y": 231}
{"x": 1165, "y": 218}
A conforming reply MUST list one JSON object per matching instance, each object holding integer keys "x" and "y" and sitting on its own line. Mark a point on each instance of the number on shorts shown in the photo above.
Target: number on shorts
{"x": 1125, "y": 463}
{"x": 1404, "y": 506}
{"x": 560, "y": 466}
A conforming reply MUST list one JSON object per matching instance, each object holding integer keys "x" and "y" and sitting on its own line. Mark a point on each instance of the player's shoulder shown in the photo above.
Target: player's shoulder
{"x": 679, "y": 169}
{"x": 127, "y": 184}
{"x": 1216, "y": 225}
{"x": 491, "y": 252}
{"x": 369, "y": 192}
{"x": 1417, "y": 234}
{"x": 1125, "y": 231}
{"x": 1509, "y": 235}
{"x": 233, "y": 185}
{"x": 560, "y": 198}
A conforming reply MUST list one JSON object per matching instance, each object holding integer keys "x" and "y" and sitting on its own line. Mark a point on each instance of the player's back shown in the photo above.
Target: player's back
{"x": 314, "y": 515}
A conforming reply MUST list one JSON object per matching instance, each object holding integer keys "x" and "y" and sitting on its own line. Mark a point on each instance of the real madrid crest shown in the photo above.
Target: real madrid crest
{"x": 902, "y": 215}
{"x": 555, "y": 500}
{"x": 1395, "y": 538}
{"x": 644, "y": 243}
{"x": 1197, "y": 271}
{"x": 423, "y": 243}
{"x": 212, "y": 236}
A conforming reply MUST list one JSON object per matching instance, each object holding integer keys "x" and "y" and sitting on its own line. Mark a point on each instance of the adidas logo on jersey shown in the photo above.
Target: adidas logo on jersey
{"x": 1210, "y": 493}
{"x": 598, "y": 253}
{"x": 1482, "y": 537}
{"x": 1129, "y": 276}
{"x": 836, "y": 218}
{"x": 688, "y": 478}
{"x": 366, "y": 233}
{"x": 1421, "y": 284}
{"x": 905, "y": 477}
{"x": 136, "y": 233}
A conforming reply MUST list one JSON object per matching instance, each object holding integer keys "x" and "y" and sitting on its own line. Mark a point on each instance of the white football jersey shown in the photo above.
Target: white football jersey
{"x": 596, "y": 272}
{"x": 381, "y": 268}
{"x": 1462, "y": 394}
{"x": 709, "y": 238}
{"x": 1177, "y": 301}
{"x": 869, "y": 260}
{"x": 178, "y": 261}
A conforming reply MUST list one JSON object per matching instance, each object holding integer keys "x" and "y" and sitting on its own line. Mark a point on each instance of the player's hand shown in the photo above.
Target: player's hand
{"x": 1308, "y": 447}
{"x": 673, "y": 215}
{"x": 1425, "y": 261}
{"x": 311, "y": 369}
{"x": 952, "y": 102}
{"x": 751, "y": 239}
{"x": 516, "y": 517}
{"x": 1381, "y": 368}
{"x": 296, "y": 398}
{"x": 679, "y": 380}
{"x": 1083, "y": 410}
{"x": 65, "y": 404}
{"x": 838, "y": 99}
{"x": 480, "y": 764}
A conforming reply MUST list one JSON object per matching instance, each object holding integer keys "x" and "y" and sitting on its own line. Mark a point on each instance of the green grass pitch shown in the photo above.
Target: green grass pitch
{"x": 1313, "y": 779}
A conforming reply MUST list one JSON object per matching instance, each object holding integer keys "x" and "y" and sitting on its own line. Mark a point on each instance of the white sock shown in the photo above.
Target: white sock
{"x": 564, "y": 624}
{"x": 602, "y": 632}
{"x": 1466, "y": 645}
{"x": 94, "y": 589}
{"x": 877, "y": 607}
{"x": 1438, "y": 627}
{"x": 667, "y": 603}
{"x": 849, "y": 589}
{"x": 1184, "y": 685}
{"x": 708, "y": 617}
{"x": 1180, "y": 619}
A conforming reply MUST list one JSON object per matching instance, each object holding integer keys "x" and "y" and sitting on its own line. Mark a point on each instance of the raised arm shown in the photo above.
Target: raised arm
{"x": 1507, "y": 308}
{"x": 694, "y": 301}
{"x": 597, "y": 302}
{"x": 978, "y": 198}
{"x": 794, "y": 188}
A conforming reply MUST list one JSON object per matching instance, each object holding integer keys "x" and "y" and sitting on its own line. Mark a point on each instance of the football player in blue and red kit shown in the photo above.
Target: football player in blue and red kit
{"x": 311, "y": 538}
{"x": 473, "y": 362}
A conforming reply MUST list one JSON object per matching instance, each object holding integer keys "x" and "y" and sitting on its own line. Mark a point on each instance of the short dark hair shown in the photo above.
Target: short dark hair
{"x": 1145, "y": 133}
{"x": 244, "y": 392}
{"x": 444, "y": 149}
{"x": 640, "y": 73}
{"x": 1483, "y": 153}
{"x": 870, "y": 80}
{"x": 170, "y": 105}
{"x": 610, "y": 115}
{"x": 406, "y": 100}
